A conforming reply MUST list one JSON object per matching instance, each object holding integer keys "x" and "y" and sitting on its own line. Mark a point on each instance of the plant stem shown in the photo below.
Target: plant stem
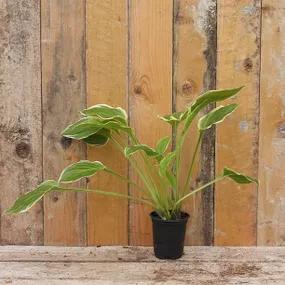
{"x": 198, "y": 189}
{"x": 125, "y": 179}
{"x": 187, "y": 183}
{"x": 148, "y": 169}
{"x": 106, "y": 193}
{"x": 180, "y": 142}
{"x": 177, "y": 160}
{"x": 138, "y": 170}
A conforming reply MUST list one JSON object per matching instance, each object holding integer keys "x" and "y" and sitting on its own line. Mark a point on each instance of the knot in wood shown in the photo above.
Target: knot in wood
{"x": 248, "y": 64}
{"x": 55, "y": 198}
{"x": 137, "y": 89}
{"x": 281, "y": 130}
{"x": 187, "y": 87}
{"x": 65, "y": 142}
{"x": 71, "y": 77}
{"x": 23, "y": 149}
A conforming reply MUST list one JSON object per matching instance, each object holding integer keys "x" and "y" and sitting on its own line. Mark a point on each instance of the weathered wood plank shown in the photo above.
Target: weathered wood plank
{"x": 145, "y": 273}
{"x": 195, "y": 31}
{"x": 136, "y": 254}
{"x": 63, "y": 91}
{"x": 237, "y": 138}
{"x": 200, "y": 265}
{"x": 107, "y": 60}
{"x": 20, "y": 118}
{"x": 150, "y": 88}
{"x": 271, "y": 205}
{"x": 235, "y": 281}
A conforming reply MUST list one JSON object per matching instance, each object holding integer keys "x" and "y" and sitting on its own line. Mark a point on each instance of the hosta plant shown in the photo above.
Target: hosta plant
{"x": 158, "y": 167}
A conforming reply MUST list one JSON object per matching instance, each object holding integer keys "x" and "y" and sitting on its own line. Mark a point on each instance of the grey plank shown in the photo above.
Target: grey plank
{"x": 137, "y": 265}
{"x": 136, "y": 254}
{"x": 20, "y": 118}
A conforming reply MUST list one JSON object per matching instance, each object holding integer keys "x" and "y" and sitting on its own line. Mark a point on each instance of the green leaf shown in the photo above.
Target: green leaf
{"x": 78, "y": 170}
{"x": 174, "y": 118}
{"x": 130, "y": 150}
{"x": 26, "y": 201}
{"x": 215, "y": 116}
{"x": 116, "y": 126}
{"x": 105, "y": 111}
{"x": 238, "y": 177}
{"x": 171, "y": 179}
{"x": 99, "y": 138}
{"x": 213, "y": 96}
{"x": 90, "y": 125}
{"x": 165, "y": 163}
{"x": 162, "y": 145}
{"x": 203, "y": 100}
{"x": 83, "y": 128}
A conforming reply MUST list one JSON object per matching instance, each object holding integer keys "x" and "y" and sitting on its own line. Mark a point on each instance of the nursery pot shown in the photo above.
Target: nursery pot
{"x": 168, "y": 236}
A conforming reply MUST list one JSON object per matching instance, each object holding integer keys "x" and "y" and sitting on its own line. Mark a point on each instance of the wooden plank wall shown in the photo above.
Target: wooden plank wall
{"x": 20, "y": 117}
{"x": 194, "y": 72}
{"x": 237, "y": 139}
{"x": 150, "y": 88}
{"x": 63, "y": 95}
{"x": 152, "y": 58}
{"x": 107, "y": 61}
{"x": 271, "y": 203}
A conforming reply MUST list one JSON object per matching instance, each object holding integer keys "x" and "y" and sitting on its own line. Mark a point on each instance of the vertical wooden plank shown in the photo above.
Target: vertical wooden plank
{"x": 63, "y": 91}
{"x": 107, "y": 55}
{"x": 237, "y": 138}
{"x": 194, "y": 72}
{"x": 150, "y": 87}
{"x": 271, "y": 205}
{"x": 20, "y": 118}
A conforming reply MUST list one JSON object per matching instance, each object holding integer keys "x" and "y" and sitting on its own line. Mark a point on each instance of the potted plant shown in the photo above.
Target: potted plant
{"x": 158, "y": 167}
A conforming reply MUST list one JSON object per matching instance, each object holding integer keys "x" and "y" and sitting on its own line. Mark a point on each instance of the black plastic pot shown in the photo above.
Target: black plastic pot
{"x": 168, "y": 236}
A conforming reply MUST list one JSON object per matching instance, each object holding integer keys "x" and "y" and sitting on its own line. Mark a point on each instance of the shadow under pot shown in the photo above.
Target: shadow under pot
{"x": 168, "y": 236}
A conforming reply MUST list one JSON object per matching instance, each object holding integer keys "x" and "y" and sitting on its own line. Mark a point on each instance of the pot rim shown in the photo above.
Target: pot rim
{"x": 155, "y": 217}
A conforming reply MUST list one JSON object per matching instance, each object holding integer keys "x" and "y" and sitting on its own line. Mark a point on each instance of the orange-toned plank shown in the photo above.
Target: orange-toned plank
{"x": 107, "y": 53}
{"x": 271, "y": 205}
{"x": 237, "y": 138}
{"x": 150, "y": 88}
{"x": 63, "y": 91}
{"x": 20, "y": 118}
{"x": 195, "y": 31}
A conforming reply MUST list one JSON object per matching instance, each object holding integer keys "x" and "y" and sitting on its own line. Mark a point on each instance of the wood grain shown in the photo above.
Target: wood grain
{"x": 220, "y": 273}
{"x": 137, "y": 265}
{"x": 271, "y": 203}
{"x": 107, "y": 59}
{"x": 126, "y": 254}
{"x": 237, "y": 138}
{"x": 20, "y": 118}
{"x": 150, "y": 88}
{"x": 148, "y": 38}
{"x": 194, "y": 72}
{"x": 63, "y": 91}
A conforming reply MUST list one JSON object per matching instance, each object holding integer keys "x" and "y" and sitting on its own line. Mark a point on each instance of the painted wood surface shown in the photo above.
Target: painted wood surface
{"x": 20, "y": 118}
{"x": 150, "y": 89}
{"x": 63, "y": 96}
{"x": 194, "y": 72}
{"x": 107, "y": 60}
{"x": 271, "y": 203}
{"x": 137, "y": 265}
{"x": 237, "y": 138}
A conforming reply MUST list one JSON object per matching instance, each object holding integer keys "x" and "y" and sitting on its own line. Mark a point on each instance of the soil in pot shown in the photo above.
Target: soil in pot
{"x": 168, "y": 236}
